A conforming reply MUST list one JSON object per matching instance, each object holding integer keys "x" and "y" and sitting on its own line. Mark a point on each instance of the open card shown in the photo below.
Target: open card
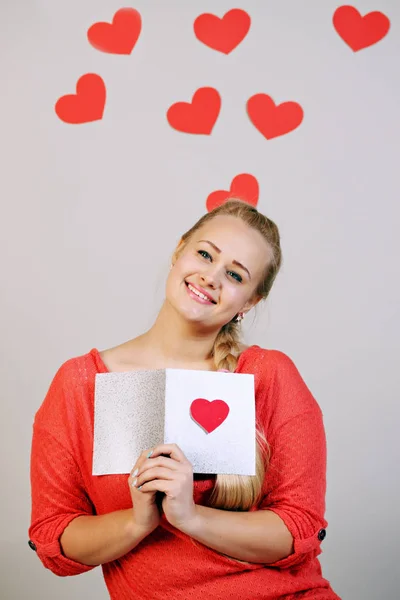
{"x": 210, "y": 415}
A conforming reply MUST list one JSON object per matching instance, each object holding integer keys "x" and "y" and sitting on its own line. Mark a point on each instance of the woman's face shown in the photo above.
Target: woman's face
{"x": 225, "y": 260}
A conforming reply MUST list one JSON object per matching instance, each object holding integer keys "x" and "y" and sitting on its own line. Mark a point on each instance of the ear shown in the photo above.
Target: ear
{"x": 176, "y": 251}
{"x": 251, "y": 303}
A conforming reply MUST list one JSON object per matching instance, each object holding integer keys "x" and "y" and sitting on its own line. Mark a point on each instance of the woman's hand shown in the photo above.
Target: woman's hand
{"x": 172, "y": 475}
{"x": 146, "y": 514}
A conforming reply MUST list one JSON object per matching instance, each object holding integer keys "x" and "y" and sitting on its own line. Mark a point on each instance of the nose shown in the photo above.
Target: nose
{"x": 210, "y": 279}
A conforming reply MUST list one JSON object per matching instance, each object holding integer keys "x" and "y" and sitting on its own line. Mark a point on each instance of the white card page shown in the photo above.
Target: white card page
{"x": 229, "y": 449}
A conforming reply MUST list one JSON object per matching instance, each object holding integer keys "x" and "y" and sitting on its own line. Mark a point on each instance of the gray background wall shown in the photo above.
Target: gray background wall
{"x": 91, "y": 213}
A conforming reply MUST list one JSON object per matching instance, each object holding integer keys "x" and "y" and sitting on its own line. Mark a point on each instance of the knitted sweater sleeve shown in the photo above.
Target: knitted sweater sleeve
{"x": 57, "y": 491}
{"x": 295, "y": 482}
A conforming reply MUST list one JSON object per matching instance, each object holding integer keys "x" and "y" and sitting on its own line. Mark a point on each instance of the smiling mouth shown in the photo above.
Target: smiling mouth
{"x": 193, "y": 290}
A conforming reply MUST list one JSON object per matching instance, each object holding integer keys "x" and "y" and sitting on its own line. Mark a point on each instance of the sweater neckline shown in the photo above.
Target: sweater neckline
{"x": 101, "y": 367}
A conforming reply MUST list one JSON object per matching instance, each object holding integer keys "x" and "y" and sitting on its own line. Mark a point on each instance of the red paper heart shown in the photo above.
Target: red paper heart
{"x": 222, "y": 34}
{"x": 243, "y": 187}
{"x": 209, "y": 415}
{"x": 87, "y": 104}
{"x": 199, "y": 116}
{"x": 271, "y": 120}
{"x": 120, "y": 36}
{"x": 360, "y": 32}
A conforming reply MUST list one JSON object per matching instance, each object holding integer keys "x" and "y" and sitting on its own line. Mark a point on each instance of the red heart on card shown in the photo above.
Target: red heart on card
{"x": 222, "y": 34}
{"x": 199, "y": 116}
{"x": 209, "y": 415}
{"x": 360, "y": 32}
{"x": 87, "y": 104}
{"x": 273, "y": 120}
{"x": 118, "y": 37}
{"x": 243, "y": 187}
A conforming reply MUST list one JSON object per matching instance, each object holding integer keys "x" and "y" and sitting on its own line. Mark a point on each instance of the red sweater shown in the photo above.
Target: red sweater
{"x": 167, "y": 563}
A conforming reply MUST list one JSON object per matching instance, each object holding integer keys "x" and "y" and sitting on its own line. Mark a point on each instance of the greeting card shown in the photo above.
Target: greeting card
{"x": 210, "y": 415}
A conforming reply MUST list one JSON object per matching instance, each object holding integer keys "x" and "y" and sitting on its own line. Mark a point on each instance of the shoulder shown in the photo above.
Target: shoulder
{"x": 68, "y": 390}
{"x": 267, "y": 362}
{"x": 75, "y": 372}
{"x": 279, "y": 382}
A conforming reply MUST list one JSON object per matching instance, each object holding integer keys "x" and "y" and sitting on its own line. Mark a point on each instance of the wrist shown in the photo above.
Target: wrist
{"x": 136, "y": 532}
{"x": 193, "y": 524}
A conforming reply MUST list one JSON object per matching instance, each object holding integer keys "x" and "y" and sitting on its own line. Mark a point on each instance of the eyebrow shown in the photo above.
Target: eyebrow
{"x": 235, "y": 262}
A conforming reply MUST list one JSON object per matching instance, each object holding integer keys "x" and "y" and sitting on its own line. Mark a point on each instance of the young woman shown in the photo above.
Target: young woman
{"x": 163, "y": 532}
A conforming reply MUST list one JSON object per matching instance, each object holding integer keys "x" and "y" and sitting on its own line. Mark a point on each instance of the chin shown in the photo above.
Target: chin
{"x": 192, "y": 317}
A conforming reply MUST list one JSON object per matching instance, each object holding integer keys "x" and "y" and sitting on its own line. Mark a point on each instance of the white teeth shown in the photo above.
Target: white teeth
{"x": 192, "y": 289}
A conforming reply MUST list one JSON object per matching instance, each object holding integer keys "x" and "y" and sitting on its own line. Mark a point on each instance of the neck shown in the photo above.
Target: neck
{"x": 174, "y": 340}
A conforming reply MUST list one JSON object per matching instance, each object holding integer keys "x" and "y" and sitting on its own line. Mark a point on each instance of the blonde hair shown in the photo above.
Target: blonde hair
{"x": 240, "y": 492}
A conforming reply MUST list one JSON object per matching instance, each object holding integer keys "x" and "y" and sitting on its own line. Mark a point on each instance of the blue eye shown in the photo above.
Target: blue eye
{"x": 238, "y": 278}
{"x": 204, "y": 252}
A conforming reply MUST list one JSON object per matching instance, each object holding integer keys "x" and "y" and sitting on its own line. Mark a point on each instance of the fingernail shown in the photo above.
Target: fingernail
{"x": 150, "y": 453}
{"x": 135, "y": 472}
{"x": 134, "y": 483}
{"x": 140, "y": 487}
